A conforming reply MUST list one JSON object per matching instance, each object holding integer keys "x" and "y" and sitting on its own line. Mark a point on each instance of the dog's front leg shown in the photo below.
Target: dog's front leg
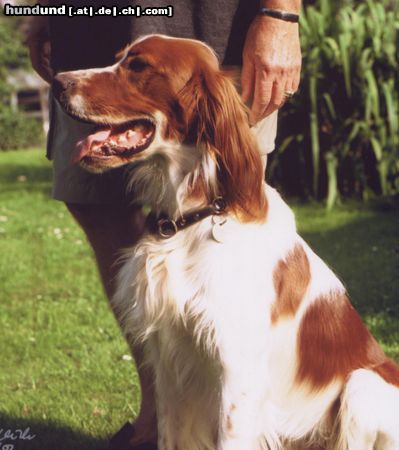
{"x": 238, "y": 416}
{"x": 243, "y": 394}
{"x": 166, "y": 428}
{"x": 167, "y": 404}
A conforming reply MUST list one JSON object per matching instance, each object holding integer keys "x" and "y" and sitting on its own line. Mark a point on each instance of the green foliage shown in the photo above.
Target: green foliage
{"x": 345, "y": 118}
{"x": 13, "y": 54}
{"x": 18, "y": 131}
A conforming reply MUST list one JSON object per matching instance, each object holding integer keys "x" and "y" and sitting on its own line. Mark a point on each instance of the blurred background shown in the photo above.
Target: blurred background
{"x": 65, "y": 370}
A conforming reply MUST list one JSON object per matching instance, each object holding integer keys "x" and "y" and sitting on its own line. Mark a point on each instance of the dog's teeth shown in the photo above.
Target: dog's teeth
{"x": 130, "y": 133}
{"x": 121, "y": 139}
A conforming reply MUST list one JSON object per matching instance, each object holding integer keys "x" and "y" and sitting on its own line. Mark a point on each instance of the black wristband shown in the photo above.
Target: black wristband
{"x": 277, "y": 14}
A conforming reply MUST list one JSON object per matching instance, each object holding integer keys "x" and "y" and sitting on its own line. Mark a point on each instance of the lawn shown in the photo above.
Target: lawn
{"x": 64, "y": 367}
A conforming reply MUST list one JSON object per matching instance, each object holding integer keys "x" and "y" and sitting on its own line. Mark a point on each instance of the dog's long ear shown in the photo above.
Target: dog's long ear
{"x": 220, "y": 123}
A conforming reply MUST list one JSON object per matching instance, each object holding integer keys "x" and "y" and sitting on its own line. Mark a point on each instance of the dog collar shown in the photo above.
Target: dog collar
{"x": 166, "y": 227}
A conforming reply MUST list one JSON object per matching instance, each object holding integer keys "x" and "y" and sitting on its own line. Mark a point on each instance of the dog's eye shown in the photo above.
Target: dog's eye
{"x": 138, "y": 65}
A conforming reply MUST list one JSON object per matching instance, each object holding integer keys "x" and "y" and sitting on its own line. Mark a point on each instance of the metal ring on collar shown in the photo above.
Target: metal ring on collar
{"x": 167, "y": 228}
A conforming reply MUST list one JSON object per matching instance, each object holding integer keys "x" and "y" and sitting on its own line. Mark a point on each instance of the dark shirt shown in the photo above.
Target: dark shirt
{"x": 83, "y": 42}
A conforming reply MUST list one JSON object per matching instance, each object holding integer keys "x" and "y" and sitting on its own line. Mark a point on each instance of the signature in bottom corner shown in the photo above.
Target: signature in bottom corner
{"x": 14, "y": 435}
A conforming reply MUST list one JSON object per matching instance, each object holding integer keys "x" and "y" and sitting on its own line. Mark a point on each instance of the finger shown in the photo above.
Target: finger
{"x": 39, "y": 63}
{"x": 47, "y": 72}
{"x": 47, "y": 48}
{"x": 293, "y": 81}
{"x": 278, "y": 97}
{"x": 296, "y": 79}
{"x": 45, "y": 69}
{"x": 247, "y": 80}
{"x": 46, "y": 61}
{"x": 262, "y": 96}
{"x": 35, "y": 57}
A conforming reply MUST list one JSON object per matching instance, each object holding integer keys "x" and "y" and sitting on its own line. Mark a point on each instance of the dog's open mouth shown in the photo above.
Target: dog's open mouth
{"x": 111, "y": 142}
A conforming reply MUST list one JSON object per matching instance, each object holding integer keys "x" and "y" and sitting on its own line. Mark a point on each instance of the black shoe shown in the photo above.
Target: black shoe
{"x": 121, "y": 440}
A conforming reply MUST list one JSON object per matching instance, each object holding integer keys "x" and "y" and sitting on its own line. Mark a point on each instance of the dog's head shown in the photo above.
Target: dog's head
{"x": 164, "y": 91}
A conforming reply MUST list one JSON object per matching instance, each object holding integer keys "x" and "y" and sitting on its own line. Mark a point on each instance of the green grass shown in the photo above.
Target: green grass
{"x": 62, "y": 371}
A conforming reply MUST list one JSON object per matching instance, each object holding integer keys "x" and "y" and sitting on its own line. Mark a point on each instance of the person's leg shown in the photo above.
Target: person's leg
{"x": 98, "y": 203}
{"x": 110, "y": 229}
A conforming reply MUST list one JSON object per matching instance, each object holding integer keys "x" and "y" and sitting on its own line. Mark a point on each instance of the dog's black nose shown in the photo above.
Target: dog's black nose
{"x": 62, "y": 82}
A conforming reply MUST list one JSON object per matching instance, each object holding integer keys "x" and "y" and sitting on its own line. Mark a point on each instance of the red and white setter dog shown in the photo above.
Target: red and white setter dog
{"x": 252, "y": 339}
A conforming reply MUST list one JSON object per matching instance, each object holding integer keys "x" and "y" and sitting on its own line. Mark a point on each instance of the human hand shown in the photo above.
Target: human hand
{"x": 271, "y": 65}
{"x": 38, "y": 42}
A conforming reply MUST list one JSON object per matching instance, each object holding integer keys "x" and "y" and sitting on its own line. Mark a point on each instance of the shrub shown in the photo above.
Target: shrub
{"x": 341, "y": 132}
{"x": 13, "y": 55}
{"x": 18, "y": 131}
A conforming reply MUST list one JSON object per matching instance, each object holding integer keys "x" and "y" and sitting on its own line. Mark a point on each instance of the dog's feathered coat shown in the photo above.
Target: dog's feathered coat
{"x": 252, "y": 339}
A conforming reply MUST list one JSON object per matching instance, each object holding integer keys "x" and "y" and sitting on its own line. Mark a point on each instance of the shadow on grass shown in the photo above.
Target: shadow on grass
{"x": 22, "y": 176}
{"x": 31, "y": 434}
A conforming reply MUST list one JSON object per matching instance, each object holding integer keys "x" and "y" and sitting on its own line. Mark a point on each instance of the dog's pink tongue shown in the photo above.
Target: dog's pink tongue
{"x": 83, "y": 146}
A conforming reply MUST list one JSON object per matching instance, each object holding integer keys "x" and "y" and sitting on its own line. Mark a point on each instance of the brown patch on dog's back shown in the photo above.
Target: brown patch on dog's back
{"x": 333, "y": 341}
{"x": 291, "y": 278}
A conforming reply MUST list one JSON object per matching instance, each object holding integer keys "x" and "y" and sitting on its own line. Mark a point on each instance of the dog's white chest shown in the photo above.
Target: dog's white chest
{"x": 203, "y": 274}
